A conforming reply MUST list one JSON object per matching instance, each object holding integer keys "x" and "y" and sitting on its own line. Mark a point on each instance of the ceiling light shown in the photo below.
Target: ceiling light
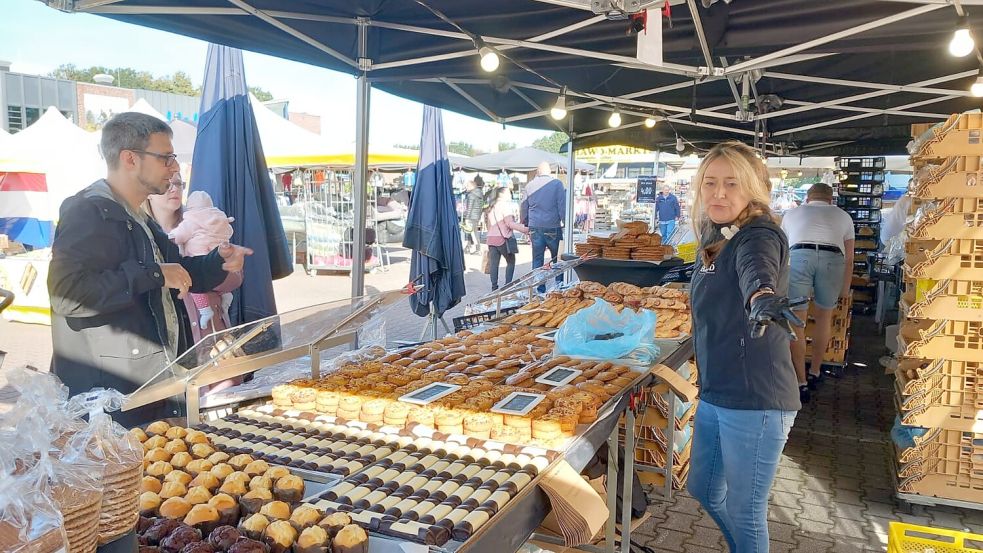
{"x": 559, "y": 110}
{"x": 680, "y": 146}
{"x": 799, "y": 174}
{"x": 489, "y": 59}
{"x": 650, "y": 122}
{"x": 977, "y": 88}
{"x": 615, "y": 120}
{"x": 962, "y": 43}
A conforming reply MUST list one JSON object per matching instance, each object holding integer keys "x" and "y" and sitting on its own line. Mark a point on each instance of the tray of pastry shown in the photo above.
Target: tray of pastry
{"x": 436, "y": 493}
{"x": 325, "y": 452}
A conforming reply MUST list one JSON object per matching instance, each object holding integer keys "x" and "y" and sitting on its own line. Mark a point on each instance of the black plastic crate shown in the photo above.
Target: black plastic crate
{"x": 861, "y": 189}
{"x": 862, "y": 177}
{"x": 879, "y": 269}
{"x": 864, "y": 214}
{"x": 470, "y": 321}
{"x": 858, "y": 163}
{"x": 872, "y": 202}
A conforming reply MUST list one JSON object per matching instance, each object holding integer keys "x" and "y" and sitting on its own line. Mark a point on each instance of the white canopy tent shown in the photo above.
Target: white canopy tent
{"x": 68, "y": 155}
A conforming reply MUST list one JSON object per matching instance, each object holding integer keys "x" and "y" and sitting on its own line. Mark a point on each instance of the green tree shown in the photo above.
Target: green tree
{"x": 127, "y": 77}
{"x": 461, "y": 148}
{"x": 504, "y": 146}
{"x": 260, "y": 94}
{"x": 551, "y": 143}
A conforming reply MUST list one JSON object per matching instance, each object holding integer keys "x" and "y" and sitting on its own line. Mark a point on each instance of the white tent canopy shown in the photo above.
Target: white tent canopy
{"x": 144, "y": 107}
{"x": 68, "y": 155}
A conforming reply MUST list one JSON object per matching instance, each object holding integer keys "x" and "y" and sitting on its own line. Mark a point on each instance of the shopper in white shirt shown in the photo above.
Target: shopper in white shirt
{"x": 820, "y": 237}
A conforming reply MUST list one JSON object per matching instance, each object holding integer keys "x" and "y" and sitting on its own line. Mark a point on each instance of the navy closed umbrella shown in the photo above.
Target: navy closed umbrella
{"x": 229, "y": 164}
{"x": 432, "y": 227}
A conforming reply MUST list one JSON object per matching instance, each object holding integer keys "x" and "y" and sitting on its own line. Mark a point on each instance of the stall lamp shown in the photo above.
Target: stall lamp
{"x": 615, "y": 120}
{"x": 962, "y": 43}
{"x": 649, "y": 122}
{"x": 559, "y": 110}
{"x": 679, "y": 144}
{"x": 799, "y": 174}
{"x": 489, "y": 59}
{"x": 977, "y": 88}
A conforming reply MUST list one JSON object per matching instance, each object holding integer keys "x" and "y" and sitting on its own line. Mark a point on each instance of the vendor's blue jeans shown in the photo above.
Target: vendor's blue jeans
{"x": 733, "y": 464}
{"x": 543, "y": 239}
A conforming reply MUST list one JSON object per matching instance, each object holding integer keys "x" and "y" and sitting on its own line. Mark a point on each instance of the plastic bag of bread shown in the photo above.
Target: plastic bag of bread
{"x": 600, "y": 331}
{"x": 30, "y": 522}
{"x": 118, "y": 452}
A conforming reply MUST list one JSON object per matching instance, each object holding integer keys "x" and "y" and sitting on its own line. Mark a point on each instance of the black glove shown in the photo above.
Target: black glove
{"x": 771, "y": 309}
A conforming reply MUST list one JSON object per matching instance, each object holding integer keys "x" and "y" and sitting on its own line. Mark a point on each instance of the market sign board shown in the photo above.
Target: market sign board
{"x": 646, "y": 190}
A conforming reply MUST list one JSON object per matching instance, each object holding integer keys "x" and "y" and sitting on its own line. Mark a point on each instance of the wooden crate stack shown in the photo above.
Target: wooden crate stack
{"x": 939, "y": 374}
{"x": 651, "y": 433}
{"x": 839, "y": 340}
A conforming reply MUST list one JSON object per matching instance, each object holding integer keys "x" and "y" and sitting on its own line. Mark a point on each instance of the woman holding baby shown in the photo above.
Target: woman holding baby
{"x": 197, "y": 228}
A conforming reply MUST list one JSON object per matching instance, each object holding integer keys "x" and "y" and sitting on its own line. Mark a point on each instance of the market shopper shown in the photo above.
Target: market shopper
{"x": 501, "y": 223}
{"x": 471, "y": 218}
{"x": 821, "y": 239}
{"x": 167, "y": 210}
{"x": 543, "y": 208}
{"x": 115, "y": 279}
{"x": 667, "y": 208}
{"x": 741, "y": 326}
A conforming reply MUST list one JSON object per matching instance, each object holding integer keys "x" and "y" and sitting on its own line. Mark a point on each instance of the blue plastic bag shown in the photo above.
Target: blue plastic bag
{"x": 904, "y": 436}
{"x": 600, "y": 331}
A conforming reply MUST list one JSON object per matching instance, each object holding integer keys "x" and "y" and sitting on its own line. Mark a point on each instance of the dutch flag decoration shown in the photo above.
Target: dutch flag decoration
{"x": 25, "y": 212}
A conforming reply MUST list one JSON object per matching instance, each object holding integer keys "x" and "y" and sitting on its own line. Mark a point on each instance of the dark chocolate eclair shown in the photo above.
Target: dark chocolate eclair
{"x": 467, "y": 527}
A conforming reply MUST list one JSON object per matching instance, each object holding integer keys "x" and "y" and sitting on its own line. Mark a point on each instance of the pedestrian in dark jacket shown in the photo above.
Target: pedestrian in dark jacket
{"x": 748, "y": 388}
{"x": 473, "y": 206}
{"x": 116, "y": 281}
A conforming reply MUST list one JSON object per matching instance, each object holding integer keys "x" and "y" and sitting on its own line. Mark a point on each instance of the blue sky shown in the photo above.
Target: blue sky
{"x": 37, "y": 39}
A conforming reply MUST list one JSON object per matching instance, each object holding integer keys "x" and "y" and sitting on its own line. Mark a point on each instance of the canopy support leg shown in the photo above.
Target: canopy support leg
{"x": 363, "y": 90}
{"x": 431, "y": 326}
{"x": 570, "y": 217}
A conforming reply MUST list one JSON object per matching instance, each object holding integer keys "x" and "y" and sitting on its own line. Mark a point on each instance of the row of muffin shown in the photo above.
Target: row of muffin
{"x": 331, "y": 534}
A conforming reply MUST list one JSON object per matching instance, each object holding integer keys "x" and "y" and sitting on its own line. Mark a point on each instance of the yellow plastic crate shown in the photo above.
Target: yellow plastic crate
{"x": 911, "y": 538}
{"x": 687, "y": 252}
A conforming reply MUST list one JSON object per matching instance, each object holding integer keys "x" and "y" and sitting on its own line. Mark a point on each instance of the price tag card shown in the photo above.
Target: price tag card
{"x": 517, "y": 403}
{"x": 429, "y": 393}
{"x": 558, "y": 376}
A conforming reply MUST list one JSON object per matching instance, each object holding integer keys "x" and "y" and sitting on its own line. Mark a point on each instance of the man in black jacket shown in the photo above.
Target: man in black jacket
{"x": 115, "y": 277}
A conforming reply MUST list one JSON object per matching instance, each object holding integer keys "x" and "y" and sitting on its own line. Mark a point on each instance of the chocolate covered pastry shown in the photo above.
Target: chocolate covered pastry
{"x": 280, "y": 536}
{"x": 254, "y": 526}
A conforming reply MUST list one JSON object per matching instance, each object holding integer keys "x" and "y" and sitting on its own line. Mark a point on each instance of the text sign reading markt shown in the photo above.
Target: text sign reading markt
{"x": 646, "y": 192}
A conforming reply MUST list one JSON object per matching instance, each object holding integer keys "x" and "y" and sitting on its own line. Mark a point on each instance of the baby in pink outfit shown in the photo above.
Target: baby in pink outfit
{"x": 203, "y": 228}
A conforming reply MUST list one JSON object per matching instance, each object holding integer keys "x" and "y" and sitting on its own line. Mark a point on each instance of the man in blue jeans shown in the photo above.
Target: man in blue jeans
{"x": 543, "y": 207}
{"x": 667, "y": 208}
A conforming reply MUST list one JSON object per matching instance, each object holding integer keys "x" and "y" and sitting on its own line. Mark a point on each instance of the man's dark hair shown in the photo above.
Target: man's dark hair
{"x": 820, "y": 191}
{"x": 129, "y": 131}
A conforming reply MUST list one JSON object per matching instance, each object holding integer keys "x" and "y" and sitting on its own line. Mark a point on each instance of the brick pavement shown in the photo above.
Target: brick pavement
{"x": 833, "y": 491}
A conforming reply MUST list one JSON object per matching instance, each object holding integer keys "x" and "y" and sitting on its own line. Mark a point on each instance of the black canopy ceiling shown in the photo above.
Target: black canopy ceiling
{"x": 904, "y": 52}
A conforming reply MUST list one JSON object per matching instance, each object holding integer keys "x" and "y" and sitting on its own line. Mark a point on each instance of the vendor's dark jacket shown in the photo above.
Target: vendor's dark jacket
{"x": 735, "y": 370}
{"x": 107, "y": 320}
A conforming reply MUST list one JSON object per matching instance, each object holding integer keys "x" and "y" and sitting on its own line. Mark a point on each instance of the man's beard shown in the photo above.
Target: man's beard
{"x": 153, "y": 188}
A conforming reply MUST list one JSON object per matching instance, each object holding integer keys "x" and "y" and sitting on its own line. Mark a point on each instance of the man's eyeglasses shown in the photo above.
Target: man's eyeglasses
{"x": 176, "y": 186}
{"x": 169, "y": 159}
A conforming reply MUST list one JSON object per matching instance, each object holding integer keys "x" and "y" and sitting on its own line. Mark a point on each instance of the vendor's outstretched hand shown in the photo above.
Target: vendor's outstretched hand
{"x": 771, "y": 309}
{"x": 234, "y": 256}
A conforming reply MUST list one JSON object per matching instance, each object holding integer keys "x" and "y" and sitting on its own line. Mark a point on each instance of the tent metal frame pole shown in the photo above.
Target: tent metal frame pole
{"x": 875, "y": 111}
{"x": 755, "y": 63}
{"x": 491, "y": 115}
{"x": 868, "y": 95}
{"x": 864, "y": 84}
{"x": 293, "y": 32}
{"x": 472, "y": 52}
{"x": 859, "y": 116}
{"x": 518, "y": 92}
{"x": 593, "y": 103}
{"x": 570, "y": 216}
{"x": 363, "y": 92}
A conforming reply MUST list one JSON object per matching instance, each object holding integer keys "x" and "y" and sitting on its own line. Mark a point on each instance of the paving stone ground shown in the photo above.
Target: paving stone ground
{"x": 833, "y": 491}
